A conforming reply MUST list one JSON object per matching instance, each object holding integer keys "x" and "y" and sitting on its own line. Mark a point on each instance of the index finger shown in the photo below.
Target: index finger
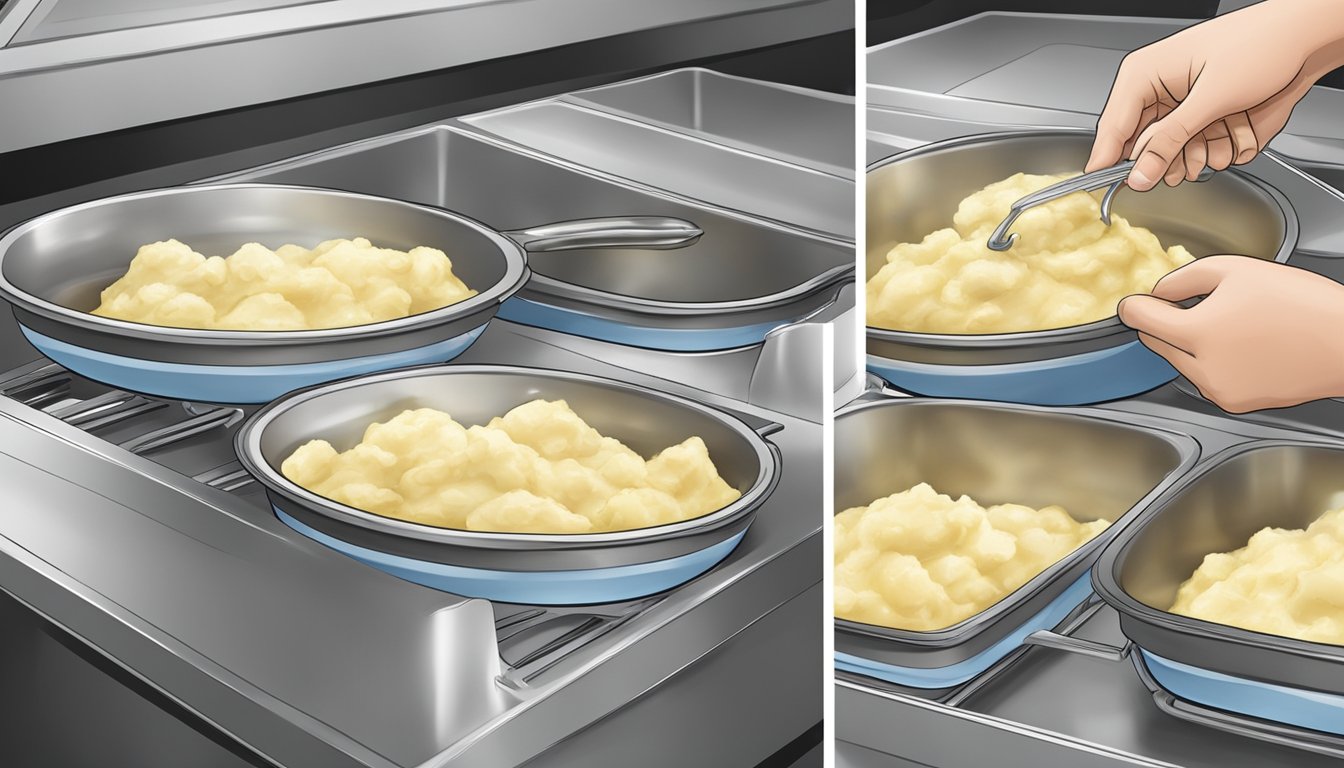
{"x": 1119, "y": 122}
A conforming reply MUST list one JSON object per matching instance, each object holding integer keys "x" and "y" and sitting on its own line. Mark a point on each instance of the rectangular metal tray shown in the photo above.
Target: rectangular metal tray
{"x": 715, "y": 174}
{"x": 737, "y": 259}
{"x": 1281, "y": 484}
{"x": 806, "y": 127}
{"x": 1086, "y": 460}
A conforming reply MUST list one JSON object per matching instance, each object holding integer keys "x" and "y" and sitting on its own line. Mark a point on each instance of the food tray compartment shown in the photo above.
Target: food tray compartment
{"x": 810, "y": 128}
{"x": 1286, "y": 484}
{"x": 684, "y": 165}
{"x": 736, "y": 260}
{"x": 1085, "y": 460}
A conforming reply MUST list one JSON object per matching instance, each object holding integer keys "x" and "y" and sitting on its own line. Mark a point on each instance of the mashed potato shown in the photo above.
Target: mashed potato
{"x": 1067, "y": 267}
{"x": 339, "y": 283}
{"x": 920, "y": 560}
{"x": 538, "y": 469}
{"x": 1283, "y": 582}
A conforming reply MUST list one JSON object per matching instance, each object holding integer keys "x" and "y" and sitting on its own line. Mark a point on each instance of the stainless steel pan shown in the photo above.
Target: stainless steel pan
{"x": 1085, "y": 460}
{"x": 916, "y": 192}
{"x": 1249, "y": 487}
{"x": 517, "y": 567}
{"x": 53, "y": 267}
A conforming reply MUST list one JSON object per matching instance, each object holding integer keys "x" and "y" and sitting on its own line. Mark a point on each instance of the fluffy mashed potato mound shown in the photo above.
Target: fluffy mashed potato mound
{"x": 1283, "y": 582}
{"x": 921, "y": 560}
{"x": 1066, "y": 268}
{"x": 538, "y": 469}
{"x": 339, "y": 283}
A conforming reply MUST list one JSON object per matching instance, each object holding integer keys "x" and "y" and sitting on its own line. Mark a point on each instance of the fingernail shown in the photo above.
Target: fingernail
{"x": 1139, "y": 180}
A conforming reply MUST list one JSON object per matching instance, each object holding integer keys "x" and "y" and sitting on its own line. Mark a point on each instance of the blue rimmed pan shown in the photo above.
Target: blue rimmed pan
{"x": 915, "y": 193}
{"x": 1262, "y": 484}
{"x": 53, "y": 267}
{"x": 537, "y": 569}
{"x": 1085, "y": 459}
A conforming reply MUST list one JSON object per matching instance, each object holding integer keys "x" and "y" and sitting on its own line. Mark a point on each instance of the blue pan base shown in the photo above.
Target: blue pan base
{"x": 576, "y": 323}
{"x": 1092, "y": 377}
{"x": 966, "y": 670}
{"x": 582, "y": 587}
{"x": 1276, "y": 703}
{"x": 243, "y": 385}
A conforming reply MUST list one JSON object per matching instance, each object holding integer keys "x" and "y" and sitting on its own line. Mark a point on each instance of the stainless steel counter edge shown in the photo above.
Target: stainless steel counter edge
{"x": 936, "y": 735}
{"x": 213, "y": 64}
{"x": 658, "y": 646}
{"x": 638, "y": 666}
{"x": 136, "y": 639}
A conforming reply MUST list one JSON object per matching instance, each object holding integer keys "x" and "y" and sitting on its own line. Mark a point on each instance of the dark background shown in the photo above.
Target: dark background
{"x": 221, "y": 142}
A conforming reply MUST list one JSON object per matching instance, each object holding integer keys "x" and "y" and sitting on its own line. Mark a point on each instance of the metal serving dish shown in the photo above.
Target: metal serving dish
{"x": 1088, "y": 461}
{"x": 53, "y": 267}
{"x": 1265, "y": 483}
{"x": 513, "y": 567}
{"x": 916, "y": 192}
{"x": 743, "y": 277}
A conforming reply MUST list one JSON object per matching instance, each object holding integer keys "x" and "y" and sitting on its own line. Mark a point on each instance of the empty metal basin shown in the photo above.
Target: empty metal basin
{"x": 1082, "y": 459}
{"x": 799, "y": 125}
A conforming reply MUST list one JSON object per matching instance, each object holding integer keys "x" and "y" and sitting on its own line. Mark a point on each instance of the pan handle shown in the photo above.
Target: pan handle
{"x": 647, "y": 232}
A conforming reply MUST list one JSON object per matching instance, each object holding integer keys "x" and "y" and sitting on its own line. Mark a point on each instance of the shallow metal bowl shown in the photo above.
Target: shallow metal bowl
{"x": 1086, "y": 460}
{"x": 1279, "y": 484}
{"x": 53, "y": 267}
{"x": 646, "y": 421}
{"x": 917, "y": 192}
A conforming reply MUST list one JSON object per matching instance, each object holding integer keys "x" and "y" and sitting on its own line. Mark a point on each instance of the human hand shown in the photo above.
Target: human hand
{"x": 1214, "y": 94}
{"x": 1266, "y": 335}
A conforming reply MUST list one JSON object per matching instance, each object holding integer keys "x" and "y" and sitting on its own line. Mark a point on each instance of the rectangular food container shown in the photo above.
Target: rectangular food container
{"x": 743, "y": 277}
{"x": 754, "y": 184}
{"x": 1094, "y": 463}
{"x": 802, "y": 126}
{"x": 1285, "y": 484}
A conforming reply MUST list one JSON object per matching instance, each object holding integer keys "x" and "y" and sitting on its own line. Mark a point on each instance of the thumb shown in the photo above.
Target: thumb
{"x": 1163, "y": 141}
{"x": 1160, "y": 319}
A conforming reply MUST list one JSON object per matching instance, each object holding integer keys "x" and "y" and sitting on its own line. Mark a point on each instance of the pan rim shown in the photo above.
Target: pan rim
{"x": 1096, "y": 329}
{"x": 247, "y": 445}
{"x": 1188, "y": 453}
{"x": 1106, "y": 580}
{"x": 516, "y": 273}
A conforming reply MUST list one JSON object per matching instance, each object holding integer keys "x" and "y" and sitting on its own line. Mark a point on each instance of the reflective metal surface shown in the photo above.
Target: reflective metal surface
{"x": 645, "y": 421}
{"x": 915, "y": 193}
{"x": 733, "y": 275}
{"x": 1280, "y": 485}
{"x": 52, "y": 268}
{"x": 1085, "y": 460}
{"x": 801, "y": 126}
{"x": 1043, "y": 706}
{"x": 792, "y": 195}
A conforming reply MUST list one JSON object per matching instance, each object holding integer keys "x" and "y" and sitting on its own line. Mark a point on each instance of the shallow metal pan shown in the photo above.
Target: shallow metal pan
{"x": 1265, "y": 483}
{"x": 1091, "y": 462}
{"x": 53, "y": 267}
{"x": 514, "y": 567}
{"x": 916, "y": 192}
{"x": 742, "y": 279}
